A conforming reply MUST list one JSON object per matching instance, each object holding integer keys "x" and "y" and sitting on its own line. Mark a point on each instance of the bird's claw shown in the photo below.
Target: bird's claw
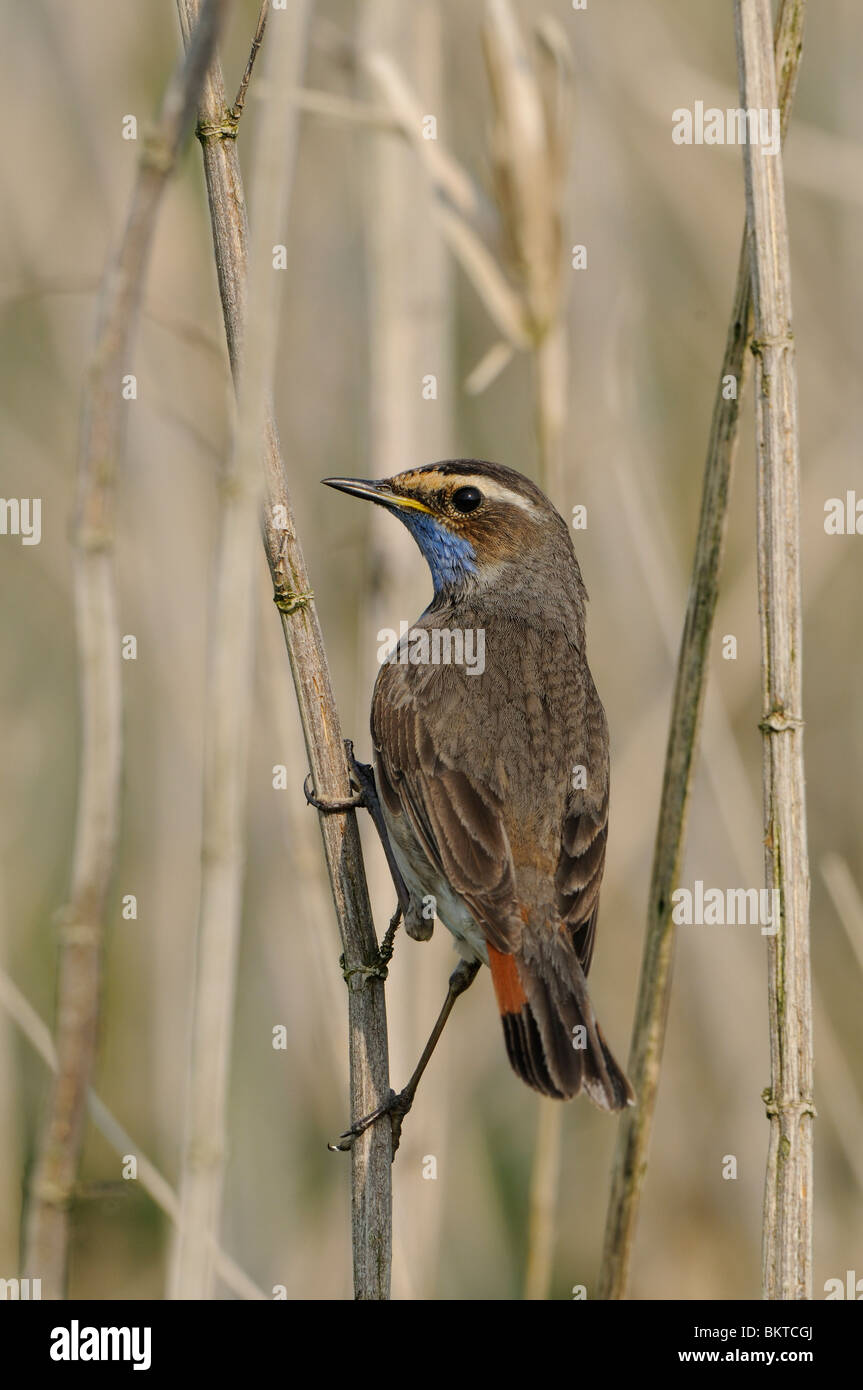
{"x": 347, "y": 803}
{"x": 396, "y": 1106}
{"x": 362, "y": 780}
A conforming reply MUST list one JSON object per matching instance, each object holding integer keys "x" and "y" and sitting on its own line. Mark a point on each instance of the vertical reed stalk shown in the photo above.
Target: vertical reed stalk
{"x": 21, "y": 1012}
{"x": 542, "y": 1209}
{"x": 410, "y": 339}
{"x": 82, "y": 921}
{"x": 371, "y": 1155}
{"x": 228, "y": 700}
{"x": 787, "y": 1233}
{"x": 654, "y": 991}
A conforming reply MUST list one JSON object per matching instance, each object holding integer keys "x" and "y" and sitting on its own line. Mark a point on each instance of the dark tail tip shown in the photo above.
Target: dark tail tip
{"x": 615, "y": 1089}
{"x": 555, "y": 1044}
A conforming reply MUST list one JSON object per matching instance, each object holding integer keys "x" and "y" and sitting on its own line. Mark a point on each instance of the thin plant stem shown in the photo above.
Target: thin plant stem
{"x": 229, "y": 690}
{"x": 654, "y": 991}
{"x": 409, "y": 335}
{"x": 371, "y": 1155}
{"x": 542, "y": 1210}
{"x": 787, "y": 1230}
{"x": 38, "y": 1034}
{"x": 240, "y": 99}
{"x": 82, "y": 921}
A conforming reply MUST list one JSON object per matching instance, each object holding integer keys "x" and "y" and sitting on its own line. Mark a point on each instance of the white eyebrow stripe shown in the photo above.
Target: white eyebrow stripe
{"x": 497, "y": 492}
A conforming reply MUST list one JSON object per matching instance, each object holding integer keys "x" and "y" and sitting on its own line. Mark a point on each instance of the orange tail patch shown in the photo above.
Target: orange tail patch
{"x": 511, "y": 997}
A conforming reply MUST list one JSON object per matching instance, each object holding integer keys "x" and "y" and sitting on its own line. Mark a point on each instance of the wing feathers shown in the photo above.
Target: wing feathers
{"x": 579, "y": 874}
{"x": 457, "y": 821}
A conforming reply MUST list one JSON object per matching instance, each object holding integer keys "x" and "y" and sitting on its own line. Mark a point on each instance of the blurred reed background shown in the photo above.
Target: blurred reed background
{"x": 375, "y": 301}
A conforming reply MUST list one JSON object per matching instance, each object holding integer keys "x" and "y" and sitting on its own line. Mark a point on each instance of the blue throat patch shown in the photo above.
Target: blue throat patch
{"x": 450, "y": 558}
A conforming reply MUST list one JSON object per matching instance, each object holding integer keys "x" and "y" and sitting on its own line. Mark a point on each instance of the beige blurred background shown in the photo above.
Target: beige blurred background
{"x": 646, "y": 324}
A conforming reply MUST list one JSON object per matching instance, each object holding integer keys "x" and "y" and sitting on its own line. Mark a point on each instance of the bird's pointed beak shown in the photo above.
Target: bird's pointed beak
{"x": 376, "y": 490}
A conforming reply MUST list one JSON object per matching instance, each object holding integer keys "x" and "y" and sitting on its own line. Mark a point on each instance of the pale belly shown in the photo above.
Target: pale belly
{"x": 423, "y": 881}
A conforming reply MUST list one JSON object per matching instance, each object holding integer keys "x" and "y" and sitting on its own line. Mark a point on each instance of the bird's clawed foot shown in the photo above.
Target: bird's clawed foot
{"x": 378, "y": 968}
{"x": 396, "y": 1106}
{"x": 329, "y": 808}
{"x": 362, "y": 781}
{"x": 363, "y": 777}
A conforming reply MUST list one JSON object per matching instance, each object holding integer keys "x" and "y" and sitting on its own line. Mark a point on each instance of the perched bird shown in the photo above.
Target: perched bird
{"x": 493, "y": 782}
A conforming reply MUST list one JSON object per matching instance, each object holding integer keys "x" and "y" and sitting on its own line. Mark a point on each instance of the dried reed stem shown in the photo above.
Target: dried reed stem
{"x": 38, "y": 1034}
{"x": 240, "y": 99}
{"x": 530, "y": 148}
{"x": 371, "y": 1155}
{"x": 229, "y": 687}
{"x": 98, "y": 632}
{"x": 409, "y": 276}
{"x": 542, "y": 1211}
{"x": 787, "y": 1234}
{"x": 654, "y": 992}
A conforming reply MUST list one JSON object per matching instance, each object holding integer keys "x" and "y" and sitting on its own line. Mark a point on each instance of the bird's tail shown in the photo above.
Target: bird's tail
{"x": 553, "y": 1040}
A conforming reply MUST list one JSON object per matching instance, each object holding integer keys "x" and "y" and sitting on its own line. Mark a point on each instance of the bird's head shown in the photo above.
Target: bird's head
{"x": 472, "y": 520}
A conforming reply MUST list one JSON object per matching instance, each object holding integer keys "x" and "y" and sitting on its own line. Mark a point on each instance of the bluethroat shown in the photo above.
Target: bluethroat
{"x": 492, "y": 777}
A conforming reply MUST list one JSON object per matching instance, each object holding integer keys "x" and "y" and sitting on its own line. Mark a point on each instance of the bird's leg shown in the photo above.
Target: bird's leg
{"x": 398, "y": 1105}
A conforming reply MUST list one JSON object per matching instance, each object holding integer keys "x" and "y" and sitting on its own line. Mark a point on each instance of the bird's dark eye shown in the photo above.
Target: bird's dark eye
{"x": 466, "y": 499}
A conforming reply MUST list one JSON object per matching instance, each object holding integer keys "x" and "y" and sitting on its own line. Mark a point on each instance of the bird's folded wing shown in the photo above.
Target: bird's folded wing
{"x": 456, "y": 818}
{"x": 579, "y": 872}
